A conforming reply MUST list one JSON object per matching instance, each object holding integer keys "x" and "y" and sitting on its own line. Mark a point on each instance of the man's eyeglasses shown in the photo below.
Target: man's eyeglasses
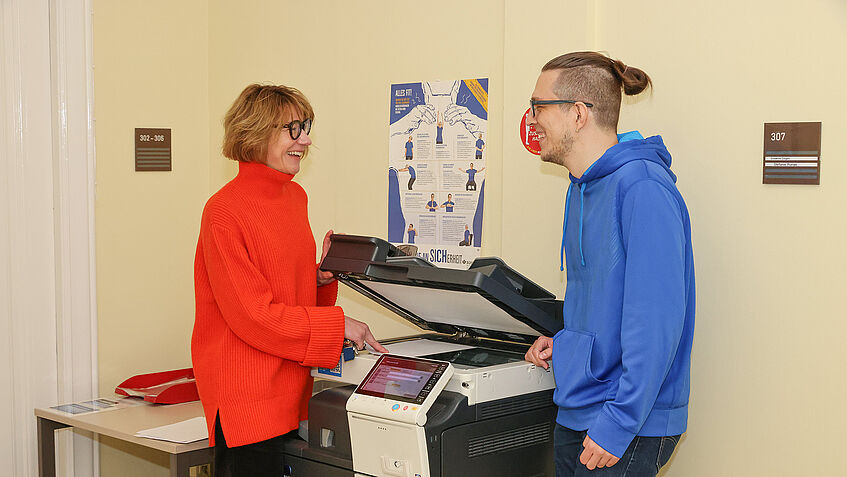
{"x": 296, "y": 127}
{"x": 540, "y": 102}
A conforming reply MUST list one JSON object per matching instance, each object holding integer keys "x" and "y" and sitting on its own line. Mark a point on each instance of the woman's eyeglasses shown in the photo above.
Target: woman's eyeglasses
{"x": 296, "y": 127}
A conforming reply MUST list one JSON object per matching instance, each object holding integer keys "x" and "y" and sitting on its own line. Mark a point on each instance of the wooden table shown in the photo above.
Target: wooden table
{"x": 122, "y": 422}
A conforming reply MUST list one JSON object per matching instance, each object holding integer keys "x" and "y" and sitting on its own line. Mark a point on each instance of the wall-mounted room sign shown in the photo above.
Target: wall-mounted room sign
{"x": 792, "y": 153}
{"x": 152, "y": 149}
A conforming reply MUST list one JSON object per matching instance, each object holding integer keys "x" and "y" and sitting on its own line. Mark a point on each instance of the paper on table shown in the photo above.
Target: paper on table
{"x": 181, "y": 432}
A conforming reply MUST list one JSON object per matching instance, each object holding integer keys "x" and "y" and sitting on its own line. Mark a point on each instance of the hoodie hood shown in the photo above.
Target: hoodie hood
{"x": 631, "y": 146}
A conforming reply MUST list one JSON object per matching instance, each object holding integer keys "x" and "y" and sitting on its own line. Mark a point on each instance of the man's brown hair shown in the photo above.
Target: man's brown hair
{"x": 595, "y": 78}
{"x": 256, "y": 115}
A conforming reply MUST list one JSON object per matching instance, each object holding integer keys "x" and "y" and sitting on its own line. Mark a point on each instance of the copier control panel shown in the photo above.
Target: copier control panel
{"x": 400, "y": 388}
{"x": 387, "y": 413}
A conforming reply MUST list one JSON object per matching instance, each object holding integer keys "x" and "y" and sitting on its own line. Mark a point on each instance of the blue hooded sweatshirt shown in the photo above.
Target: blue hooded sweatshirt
{"x": 622, "y": 361}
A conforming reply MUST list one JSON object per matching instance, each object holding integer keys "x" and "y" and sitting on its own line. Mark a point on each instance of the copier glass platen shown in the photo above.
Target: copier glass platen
{"x": 387, "y": 412}
{"x": 495, "y": 414}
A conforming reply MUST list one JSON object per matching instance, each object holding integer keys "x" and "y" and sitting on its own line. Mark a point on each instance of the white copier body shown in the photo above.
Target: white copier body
{"x": 493, "y": 413}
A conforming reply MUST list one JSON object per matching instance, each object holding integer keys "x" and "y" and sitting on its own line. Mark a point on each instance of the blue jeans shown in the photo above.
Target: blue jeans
{"x": 644, "y": 456}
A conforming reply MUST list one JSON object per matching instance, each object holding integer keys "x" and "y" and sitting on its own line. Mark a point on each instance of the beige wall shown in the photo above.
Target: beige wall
{"x": 765, "y": 380}
{"x": 768, "y": 353}
{"x": 150, "y": 70}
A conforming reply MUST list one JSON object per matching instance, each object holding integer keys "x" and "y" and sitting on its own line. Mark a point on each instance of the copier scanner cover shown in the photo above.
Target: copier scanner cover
{"x": 489, "y": 300}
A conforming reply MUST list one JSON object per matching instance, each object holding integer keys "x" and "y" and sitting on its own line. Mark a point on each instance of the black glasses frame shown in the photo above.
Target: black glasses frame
{"x": 540, "y": 102}
{"x": 296, "y": 127}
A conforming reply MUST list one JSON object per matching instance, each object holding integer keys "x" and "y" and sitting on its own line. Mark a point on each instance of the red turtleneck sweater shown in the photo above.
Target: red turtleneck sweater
{"x": 261, "y": 321}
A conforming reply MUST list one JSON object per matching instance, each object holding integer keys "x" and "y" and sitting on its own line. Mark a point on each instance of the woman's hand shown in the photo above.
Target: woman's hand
{"x": 359, "y": 333}
{"x": 325, "y": 278}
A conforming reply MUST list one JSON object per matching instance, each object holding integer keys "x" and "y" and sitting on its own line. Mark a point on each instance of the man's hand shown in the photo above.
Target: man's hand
{"x": 359, "y": 334}
{"x": 540, "y": 351}
{"x": 325, "y": 278}
{"x": 595, "y": 456}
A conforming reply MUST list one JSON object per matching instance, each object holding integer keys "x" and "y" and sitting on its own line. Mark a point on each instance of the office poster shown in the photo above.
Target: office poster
{"x": 436, "y": 169}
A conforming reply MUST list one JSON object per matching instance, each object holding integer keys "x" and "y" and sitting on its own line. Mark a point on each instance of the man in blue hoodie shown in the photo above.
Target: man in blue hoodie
{"x": 622, "y": 361}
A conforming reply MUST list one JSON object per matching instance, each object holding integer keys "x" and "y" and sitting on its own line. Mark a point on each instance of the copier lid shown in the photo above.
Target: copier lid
{"x": 489, "y": 300}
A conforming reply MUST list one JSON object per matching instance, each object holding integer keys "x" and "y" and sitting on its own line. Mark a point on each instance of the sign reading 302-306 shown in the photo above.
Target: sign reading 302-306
{"x": 152, "y": 149}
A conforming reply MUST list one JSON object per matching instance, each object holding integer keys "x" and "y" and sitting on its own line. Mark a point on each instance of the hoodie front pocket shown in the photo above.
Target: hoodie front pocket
{"x": 576, "y": 387}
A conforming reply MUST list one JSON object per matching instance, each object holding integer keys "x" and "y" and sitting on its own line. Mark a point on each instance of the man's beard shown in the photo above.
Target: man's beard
{"x": 559, "y": 151}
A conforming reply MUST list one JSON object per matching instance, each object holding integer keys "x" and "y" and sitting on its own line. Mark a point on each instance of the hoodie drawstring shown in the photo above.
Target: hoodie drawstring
{"x": 662, "y": 158}
{"x": 564, "y": 227}
{"x": 581, "y": 208}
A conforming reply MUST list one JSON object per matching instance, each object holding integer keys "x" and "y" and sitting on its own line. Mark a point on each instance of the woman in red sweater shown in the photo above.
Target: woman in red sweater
{"x": 265, "y": 313}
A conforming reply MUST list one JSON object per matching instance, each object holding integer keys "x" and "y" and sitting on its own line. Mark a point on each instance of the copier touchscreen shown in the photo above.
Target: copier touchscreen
{"x": 402, "y": 379}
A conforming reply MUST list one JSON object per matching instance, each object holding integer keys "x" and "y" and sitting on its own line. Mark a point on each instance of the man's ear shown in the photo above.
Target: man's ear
{"x": 580, "y": 116}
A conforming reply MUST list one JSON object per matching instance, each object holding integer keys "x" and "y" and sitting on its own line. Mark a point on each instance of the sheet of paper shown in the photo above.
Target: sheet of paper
{"x": 86, "y": 406}
{"x": 181, "y": 432}
{"x": 421, "y": 348}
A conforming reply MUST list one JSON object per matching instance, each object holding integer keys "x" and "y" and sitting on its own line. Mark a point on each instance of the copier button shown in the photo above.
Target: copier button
{"x": 396, "y": 467}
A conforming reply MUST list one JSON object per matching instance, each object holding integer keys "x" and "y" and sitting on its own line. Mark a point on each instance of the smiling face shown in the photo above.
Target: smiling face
{"x": 550, "y": 121}
{"x": 252, "y": 126}
{"x": 284, "y": 154}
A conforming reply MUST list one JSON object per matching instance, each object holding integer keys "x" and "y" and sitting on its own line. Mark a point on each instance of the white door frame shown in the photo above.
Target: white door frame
{"x": 72, "y": 75}
{"x": 47, "y": 280}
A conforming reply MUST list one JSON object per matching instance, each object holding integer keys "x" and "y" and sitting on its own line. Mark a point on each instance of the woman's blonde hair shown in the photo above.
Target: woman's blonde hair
{"x": 256, "y": 115}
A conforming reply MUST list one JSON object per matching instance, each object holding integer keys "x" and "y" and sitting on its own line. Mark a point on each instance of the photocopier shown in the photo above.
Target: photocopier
{"x": 457, "y": 400}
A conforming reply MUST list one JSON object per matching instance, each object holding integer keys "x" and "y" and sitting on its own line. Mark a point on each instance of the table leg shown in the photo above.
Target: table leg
{"x": 47, "y": 446}
{"x": 181, "y": 463}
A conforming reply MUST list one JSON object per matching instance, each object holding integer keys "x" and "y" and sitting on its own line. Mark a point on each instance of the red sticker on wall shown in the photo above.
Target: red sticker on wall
{"x": 529, "y": 137}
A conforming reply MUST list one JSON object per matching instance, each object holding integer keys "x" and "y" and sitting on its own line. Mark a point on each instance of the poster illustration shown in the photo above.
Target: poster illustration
{"x": 436, "y": 168}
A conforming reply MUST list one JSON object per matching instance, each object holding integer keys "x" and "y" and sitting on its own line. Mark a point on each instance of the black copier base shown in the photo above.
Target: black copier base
{"x": 511, "y": 436}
